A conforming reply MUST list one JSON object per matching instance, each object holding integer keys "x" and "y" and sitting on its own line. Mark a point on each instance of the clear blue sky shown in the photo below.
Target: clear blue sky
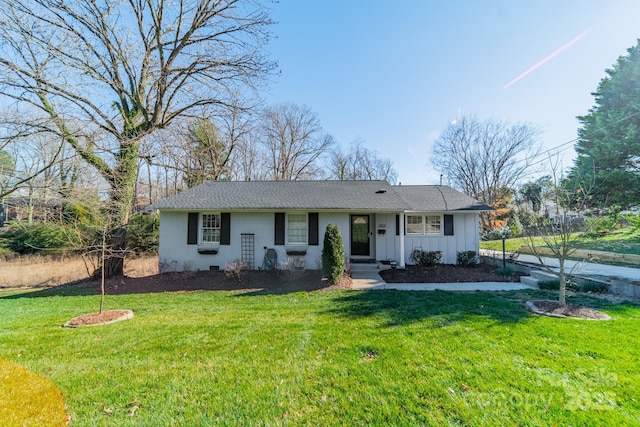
{"x": 395, "y": 73}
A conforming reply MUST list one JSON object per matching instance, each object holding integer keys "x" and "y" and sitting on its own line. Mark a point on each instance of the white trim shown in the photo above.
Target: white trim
{"x": 306, "y": 229}
{"x": 402, "y": 263}
{"x": 425, "y": 224}
{"x": 201, "y": 228}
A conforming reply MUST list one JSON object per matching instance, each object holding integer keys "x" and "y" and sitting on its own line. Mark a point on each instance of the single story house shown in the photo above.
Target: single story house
{"x": 220, "y": 222}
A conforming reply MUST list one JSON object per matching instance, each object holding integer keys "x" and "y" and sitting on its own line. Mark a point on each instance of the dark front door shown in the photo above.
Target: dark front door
{"x": 360, "y": 235}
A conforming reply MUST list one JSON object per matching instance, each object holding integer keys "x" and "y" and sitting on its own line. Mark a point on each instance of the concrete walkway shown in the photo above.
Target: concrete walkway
{"x": 365, "y": 280}
{"x": 372, "y": 281}
{"x": 583, "y": 268}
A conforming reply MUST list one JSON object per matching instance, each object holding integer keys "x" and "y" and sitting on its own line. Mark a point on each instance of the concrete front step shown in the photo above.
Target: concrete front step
{"x": 365, "y": 267}
{"x": 542, "y": 275}
{"x": 372, "y": 267}
{"x": 536, "y": 276}
{"x": 528, "y": 280}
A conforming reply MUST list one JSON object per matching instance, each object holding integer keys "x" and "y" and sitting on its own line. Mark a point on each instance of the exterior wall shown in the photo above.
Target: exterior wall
{"x": 176, "y": 255}
{"x": 388, "y": 244}
{"x": 466, "y": 237}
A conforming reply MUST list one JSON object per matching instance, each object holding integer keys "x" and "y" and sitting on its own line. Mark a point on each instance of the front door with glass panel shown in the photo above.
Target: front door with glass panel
{"x": 360, "y": 235}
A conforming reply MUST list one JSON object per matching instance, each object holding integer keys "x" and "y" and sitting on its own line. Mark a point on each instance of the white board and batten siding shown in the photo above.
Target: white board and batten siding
{"x": 466, "y": 237}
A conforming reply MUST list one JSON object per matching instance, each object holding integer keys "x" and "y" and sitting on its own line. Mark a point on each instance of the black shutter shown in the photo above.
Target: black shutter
{"x": 225, "y": 228}
{"x": 448, "y": 225}
{"x": 397, "y": 225}
{"x": 313, "y": 228}
{"x": 279, "y": 229}
{"x": 192, "y": 228}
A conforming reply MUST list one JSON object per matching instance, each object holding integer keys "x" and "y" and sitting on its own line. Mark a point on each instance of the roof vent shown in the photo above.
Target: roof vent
{"x": 381, "y": 191}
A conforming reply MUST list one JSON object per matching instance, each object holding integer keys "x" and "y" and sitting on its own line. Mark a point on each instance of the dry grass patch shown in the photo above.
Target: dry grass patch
{"x": 46, "y": 271}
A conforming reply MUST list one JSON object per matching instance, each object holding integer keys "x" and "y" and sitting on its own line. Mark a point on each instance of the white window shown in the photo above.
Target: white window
{"x": 432, "y": 224}
{"x": 297, "y": 229}
{"x": 414, "y": 224}
{"x": 424, "y": 224}
{"x": 211, "y": 228}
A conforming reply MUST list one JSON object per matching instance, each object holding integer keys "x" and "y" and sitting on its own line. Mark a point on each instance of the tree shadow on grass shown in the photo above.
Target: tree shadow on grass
{"x": 250, "y": 282}
{"x": 402, "y": 307}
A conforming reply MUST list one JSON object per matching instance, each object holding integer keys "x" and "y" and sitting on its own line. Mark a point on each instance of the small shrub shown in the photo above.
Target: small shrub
{"x": 505, "y": 271}
{"x": 497, "y": 234}
{"x": 551, "y": 285}
{"x": 467, "y": 259}
{"x": 236, "y": 270}
{"x": 425, "y": 259}
{"x": 595, "y": 287}
{"x": 554, "y": 285}
{"x": 333, "y": 260}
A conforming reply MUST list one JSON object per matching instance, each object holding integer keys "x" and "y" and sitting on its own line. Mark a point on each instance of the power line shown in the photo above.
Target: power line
{"x": 573, "y": 141}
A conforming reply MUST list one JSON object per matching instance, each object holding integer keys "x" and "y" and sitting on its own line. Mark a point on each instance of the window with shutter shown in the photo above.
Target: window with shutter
{"x": 192, "y": 228}
{"x": 448, "y": 225}
{"x": 313, "y": 229}
{"x": 279, "y": 228}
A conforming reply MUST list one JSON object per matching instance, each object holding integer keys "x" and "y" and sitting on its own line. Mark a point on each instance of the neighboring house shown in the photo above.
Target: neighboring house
{"x": 216, "y": 223}
{"x": 30, "y": 209}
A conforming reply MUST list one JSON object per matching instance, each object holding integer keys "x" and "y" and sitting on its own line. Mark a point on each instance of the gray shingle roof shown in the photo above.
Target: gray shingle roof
{"x": 377, "y": 196}
{"x": 438, "y": 198}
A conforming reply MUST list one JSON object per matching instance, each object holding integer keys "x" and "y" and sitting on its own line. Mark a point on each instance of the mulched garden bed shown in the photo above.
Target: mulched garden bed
{"x": 554, "y": 309}
{"x": 104, "y": 318}
{"x": 446, "y": 273}
{"x": 274, "y": 281}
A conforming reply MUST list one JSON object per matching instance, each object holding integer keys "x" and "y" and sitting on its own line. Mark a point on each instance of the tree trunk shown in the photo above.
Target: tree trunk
{"x": 121, "y": 201}
{"x": 113, "y": 259}
{"x": 563, "y": 284}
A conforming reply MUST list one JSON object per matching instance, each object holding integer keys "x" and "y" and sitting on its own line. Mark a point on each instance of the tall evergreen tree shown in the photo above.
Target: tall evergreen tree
{"x": 333, "y": 261}
{"x": 609, "y": 139}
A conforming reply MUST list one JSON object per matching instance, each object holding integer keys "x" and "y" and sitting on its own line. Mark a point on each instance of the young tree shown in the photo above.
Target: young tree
{"x": 108, "y": 73}
{"x": 484, "y": 159}
{"x": 560, "y": 236}
{"x": 609, "y": 138}
{"x": 294, "y": 142}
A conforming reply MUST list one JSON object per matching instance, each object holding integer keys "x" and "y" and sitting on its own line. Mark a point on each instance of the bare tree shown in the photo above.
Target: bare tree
{"x": 27, "y": 150}
{"x": 105, "y": 74}
{"x": 361, "y": 163}
{"x": 484, "y": 158}
{"x": 560, "y": 236}
{"x": 294, "y": 142}
{"x": 250, "y": 159}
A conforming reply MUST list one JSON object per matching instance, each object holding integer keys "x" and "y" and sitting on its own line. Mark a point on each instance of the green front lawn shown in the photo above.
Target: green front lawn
{"x": 329, "y": 358}
{"x": 621, "y": 241}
